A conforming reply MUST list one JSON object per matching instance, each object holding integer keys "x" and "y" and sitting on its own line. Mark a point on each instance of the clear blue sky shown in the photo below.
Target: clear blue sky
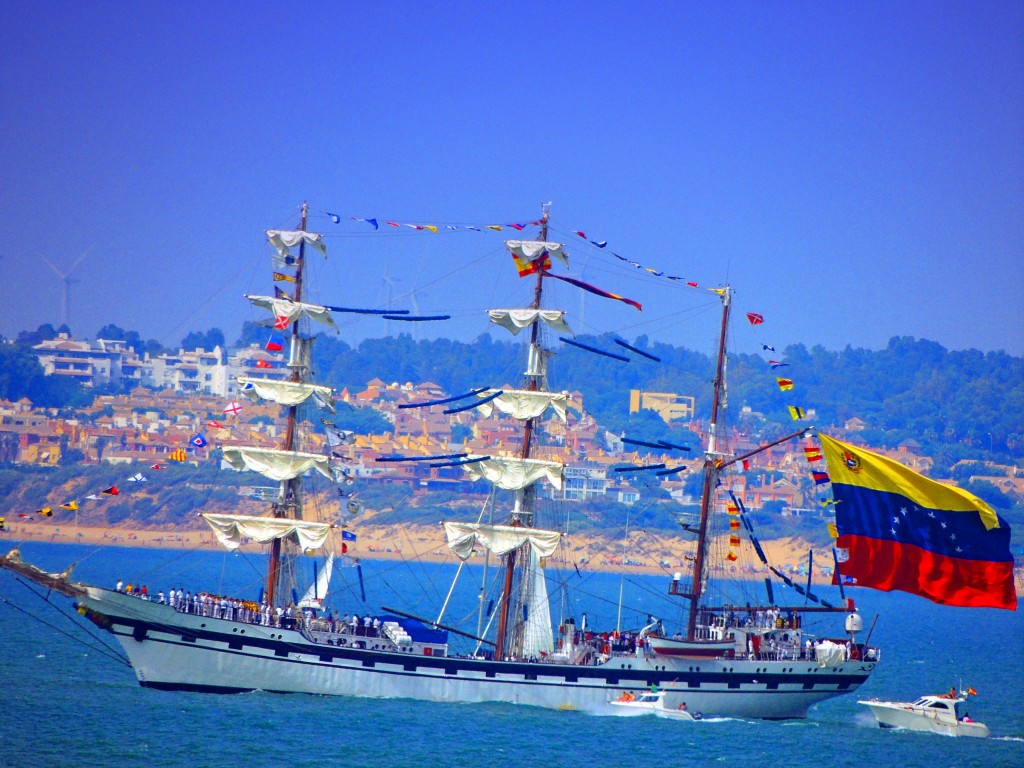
{"x": 855, "y": 170}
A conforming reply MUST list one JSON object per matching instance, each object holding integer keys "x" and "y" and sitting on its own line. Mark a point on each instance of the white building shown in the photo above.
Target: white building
{"x": 89, "y": 363}
{"x": 195, "y": 371}
{"x": 104, "y": 361}
{"x": 582, "y": 483}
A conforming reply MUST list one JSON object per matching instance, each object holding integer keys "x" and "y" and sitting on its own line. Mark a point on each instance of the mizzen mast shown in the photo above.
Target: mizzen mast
{"x": 713, "y": 461}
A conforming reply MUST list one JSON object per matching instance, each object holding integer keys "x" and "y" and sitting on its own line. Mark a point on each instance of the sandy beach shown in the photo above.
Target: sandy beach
{"x": 645, "y": 554}
{"x": 426, "y": 543}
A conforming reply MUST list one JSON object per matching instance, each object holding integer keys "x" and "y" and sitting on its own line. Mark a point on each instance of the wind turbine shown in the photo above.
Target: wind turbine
{"x": 66, "y": 281}
{"x": 415, "y": 331}
{"x": 414, "y": 303}
{"x": 387, "y": 290}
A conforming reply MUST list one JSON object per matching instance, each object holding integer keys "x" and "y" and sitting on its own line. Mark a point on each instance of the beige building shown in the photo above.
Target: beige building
{"x": 668, "y": 405}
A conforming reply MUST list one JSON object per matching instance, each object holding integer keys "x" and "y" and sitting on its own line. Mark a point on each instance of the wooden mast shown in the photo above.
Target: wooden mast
{"x": 712, "y": 467}
{"x": 533, "y": 384}
{"x": 524, "y": 509}
{"x": 290, "y": 489}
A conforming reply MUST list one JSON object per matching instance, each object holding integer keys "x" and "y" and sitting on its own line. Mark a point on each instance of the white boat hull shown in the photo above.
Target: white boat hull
{"x": 652, "y": 704}
{"x": 893, "y": 714}
{"x": 171, "y": 650}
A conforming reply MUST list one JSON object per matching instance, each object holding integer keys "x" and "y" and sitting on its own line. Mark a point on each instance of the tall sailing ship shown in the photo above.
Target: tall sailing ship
{"x": 730, "y": 658}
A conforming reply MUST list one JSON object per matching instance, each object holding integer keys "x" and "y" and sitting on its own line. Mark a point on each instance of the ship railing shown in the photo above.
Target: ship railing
{"x": 681, "y": 587}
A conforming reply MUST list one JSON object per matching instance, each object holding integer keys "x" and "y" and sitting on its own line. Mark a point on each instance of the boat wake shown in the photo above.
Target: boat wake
{"x": 865, "y": 720}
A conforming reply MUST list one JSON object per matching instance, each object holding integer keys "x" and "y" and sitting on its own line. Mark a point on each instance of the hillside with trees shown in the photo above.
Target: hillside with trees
{"x": 960, "y": 404}
{"x": 957, "y": 404}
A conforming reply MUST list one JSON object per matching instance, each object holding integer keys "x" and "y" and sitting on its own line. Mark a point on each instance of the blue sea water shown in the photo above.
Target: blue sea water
{"x": 62, "y": 704}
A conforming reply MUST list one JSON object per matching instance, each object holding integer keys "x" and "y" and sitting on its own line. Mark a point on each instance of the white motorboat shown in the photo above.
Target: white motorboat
{"x": 651, "y": 703}
{"x": 943, "y": 714}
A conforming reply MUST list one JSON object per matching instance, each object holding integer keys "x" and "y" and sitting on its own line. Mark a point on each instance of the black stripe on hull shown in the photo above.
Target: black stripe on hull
{"x": 575, "y": 676}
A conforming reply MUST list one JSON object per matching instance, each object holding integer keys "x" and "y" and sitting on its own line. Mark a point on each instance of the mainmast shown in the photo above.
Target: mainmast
{"x": 522, "y": 511}
{"x": 712, "y": 467}
{"x": 535, "y": 374}
{"x": 289, "y": 499}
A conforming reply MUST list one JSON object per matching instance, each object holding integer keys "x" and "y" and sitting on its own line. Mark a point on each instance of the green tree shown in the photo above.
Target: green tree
{"x": 21, "y": 375}
{"x": 205, "y": 341}
{"x": 44, "y": 332}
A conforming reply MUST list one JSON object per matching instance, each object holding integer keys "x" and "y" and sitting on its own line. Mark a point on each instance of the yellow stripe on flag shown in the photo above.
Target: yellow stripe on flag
{"x": 853, "y": 465}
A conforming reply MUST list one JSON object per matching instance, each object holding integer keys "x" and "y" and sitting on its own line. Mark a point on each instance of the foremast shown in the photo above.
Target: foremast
{"x": 285, "y": 464}
{"x": 289, "y": 501}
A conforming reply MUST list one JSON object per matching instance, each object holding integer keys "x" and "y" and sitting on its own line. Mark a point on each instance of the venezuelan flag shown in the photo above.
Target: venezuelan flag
{"x": 898, "y": 530}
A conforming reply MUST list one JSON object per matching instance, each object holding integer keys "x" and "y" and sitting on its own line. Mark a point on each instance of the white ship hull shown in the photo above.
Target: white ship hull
{"x": 171, "y": 650}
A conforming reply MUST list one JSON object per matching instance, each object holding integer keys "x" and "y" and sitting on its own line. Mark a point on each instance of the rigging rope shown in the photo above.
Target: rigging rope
{"x": 106, "y": 649}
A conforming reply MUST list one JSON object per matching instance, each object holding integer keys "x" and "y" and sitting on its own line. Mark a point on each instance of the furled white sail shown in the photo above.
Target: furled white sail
{"x": 531, "y": 250}
{"x": 288, "y": 311}
{"x": 276, "y": 465}
{"x": 537, "y": 637}
{"x": 284, "y": 240}
{"x": 318, "y": 589}
{"x": 499, "y": 539}
{"x": 231, "y": 529}
{"x": 524, "y": 403}
{"x": 514, "y": 320}
{"x": 537, "y": 363}
{"x": 285, "y": 392}
{"x": 515, "y": 474}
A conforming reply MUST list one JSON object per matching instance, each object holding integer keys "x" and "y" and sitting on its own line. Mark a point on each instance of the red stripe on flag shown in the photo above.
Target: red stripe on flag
{"x": 890, "y": 565}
